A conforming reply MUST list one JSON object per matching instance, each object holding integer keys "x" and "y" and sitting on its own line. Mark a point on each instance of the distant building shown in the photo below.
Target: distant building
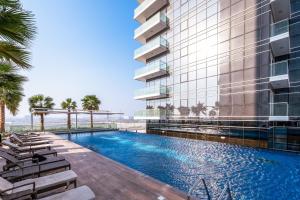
{"x": 221, "y": 70}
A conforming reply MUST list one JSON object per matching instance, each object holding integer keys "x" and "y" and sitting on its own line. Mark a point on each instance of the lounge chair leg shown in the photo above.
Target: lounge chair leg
{"x": 75, "y": 184}
{"x": 67, "y": 185}
{"x": 34, "y": 195}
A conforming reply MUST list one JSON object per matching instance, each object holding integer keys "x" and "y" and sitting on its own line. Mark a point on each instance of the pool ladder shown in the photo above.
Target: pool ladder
{"x": 204, "y": 190}
{"x": 225, "y": 194}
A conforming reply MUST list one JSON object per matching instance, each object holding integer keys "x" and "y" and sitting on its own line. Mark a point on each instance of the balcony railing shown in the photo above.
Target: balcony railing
{"x": 279, "y": 76}
{"x": 151, "y": 70}
{"x": 148, "y": 8}
{"x": 153, "y": 92}
{"x": 279, "y": 28}
{"x": 152, "y": 26}
{"x": 279, "y": 109}
{"x": 279, "y": 68}
{"x": 280, "y": 38}
{"x": 150, "y": 114}
{"x": 151, "y": 49}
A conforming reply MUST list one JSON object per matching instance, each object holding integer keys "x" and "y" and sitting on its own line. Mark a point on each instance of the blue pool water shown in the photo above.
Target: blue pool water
{"x": 253, "y": 173}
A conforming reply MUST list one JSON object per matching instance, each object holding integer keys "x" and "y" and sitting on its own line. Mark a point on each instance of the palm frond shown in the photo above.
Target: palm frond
{"x": 90, "y": 102}
{"x": 69, "y": 104}
{"x": 17, "y": 26}
{"x": 4, "y": 4}
{"x": 11, "y": 87}
{"x": 40, "y": 101}
{"x": 10, "y": 52}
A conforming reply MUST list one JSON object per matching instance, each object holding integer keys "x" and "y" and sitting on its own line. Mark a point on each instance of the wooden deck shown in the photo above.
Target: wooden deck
{"x": 110, "y": 180}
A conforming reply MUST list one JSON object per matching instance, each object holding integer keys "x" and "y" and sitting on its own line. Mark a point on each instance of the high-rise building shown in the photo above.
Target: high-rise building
{"x": 221, "y": 70}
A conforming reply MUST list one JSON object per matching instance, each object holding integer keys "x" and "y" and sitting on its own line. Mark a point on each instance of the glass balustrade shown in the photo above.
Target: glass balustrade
{"x": 150, "y": 113}
{"x": 156, "y": 19}
{"x": 279, "y": 68}
{"x": 151, "y": 68}
{"x": 279, "y": 28}
{"x": 152, "y": 45}
{"x": 279, "y": 109}
{"x": 153, "y": 91}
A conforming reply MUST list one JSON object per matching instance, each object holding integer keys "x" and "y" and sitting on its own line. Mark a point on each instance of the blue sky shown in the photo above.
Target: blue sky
{"x": 84, "y": 47}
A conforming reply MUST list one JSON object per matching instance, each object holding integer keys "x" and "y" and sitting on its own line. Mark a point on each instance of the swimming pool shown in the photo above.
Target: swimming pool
{"x": 252, "y": 173}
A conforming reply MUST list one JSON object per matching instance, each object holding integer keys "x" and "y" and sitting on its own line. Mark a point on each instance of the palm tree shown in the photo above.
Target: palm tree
{"x": 42, "y": 104}
{"x": 184, "y": 111}
{"x": 90, "y": 103}
{"x": 11, "y": 91}
{"x": 199, "y": 108}
{"x": 169, "y": 109}
{"x": 214, "y": 111}
{"x": 17, "y": 30}
{"x": 69, "y": 104}
{"x": 149, "y": 107}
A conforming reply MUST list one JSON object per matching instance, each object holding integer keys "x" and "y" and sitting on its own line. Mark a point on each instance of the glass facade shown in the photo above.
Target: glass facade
{"x": 220, "y": 62}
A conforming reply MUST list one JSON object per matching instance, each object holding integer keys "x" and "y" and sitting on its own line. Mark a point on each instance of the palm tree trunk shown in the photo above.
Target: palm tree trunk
{"x": 69, "y": 119}
{"x": 92, "y": 121}
{"x": 2, "y": 117}
{"x": 42, "y": 122}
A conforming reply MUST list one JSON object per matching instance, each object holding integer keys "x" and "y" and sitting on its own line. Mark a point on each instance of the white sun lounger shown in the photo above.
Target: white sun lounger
{"x": 32, "y": 187}
{"x": 28, "y": 143}
{"x": 17, "y": 148}
{"x": 82, "y": 193}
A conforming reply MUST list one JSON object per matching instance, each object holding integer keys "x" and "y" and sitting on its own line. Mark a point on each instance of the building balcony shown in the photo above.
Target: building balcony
{"x": 147, "y": 8}
{"x": 151, "y": 27}
{"x": 281, "y": 9}
{"x": 154, "y": 114}
{"x": 153, "y": 92}
{"x": 151, "y": 70}
{"x": 280, "y": 38}
{"x": 279, "y": 111}
{"x": 279, "y": 77}
{"x": 152, "y": 48}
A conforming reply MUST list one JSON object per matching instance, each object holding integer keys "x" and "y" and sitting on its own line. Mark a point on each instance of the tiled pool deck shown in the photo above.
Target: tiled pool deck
{"x": 109, "y": 179}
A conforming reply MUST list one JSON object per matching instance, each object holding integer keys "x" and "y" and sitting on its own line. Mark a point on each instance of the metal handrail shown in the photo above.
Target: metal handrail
{"x": 226, "y": 191}
{"x": 194, "y": 187}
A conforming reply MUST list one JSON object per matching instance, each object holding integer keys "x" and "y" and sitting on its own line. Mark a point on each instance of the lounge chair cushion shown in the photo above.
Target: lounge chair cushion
{"x": 5, "y": 185}
{"x": 27, "y": 143}
{"x": 26, "y": 148}
{"x": 23, "y": 188}
{"x": 10, "y": 144}
{"x": 48, "y": 181}
{"x": 9, "y": 157}
{"x": 82, "y": 193}
{"x": 16, "y": 138}
{"x": 23, "y": 192}
{"x": 36, "y": 147}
